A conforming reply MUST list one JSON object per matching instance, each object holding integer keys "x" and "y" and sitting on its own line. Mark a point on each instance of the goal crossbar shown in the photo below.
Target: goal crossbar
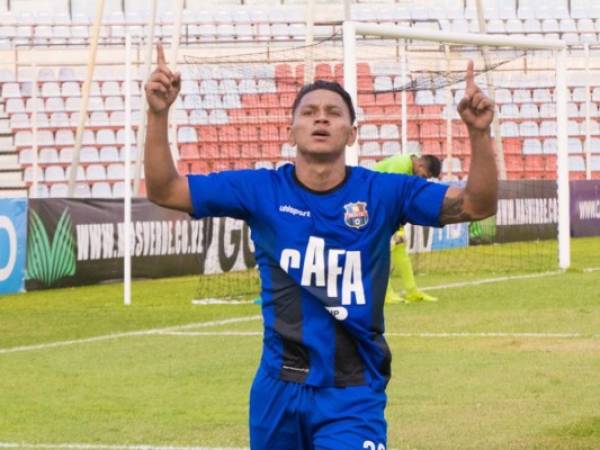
{"x": 352, "y": 29}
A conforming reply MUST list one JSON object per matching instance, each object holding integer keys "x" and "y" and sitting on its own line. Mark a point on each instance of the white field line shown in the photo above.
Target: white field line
{"x": 492, "y": 280}
{"x": 419, "y": 335}
{"x": 211, "y": 333}
{"x": 68, "y": 446}
{"x": 591, "y": 269}
{"x": 220, "y": 301}
{"x": 215, "y": 323}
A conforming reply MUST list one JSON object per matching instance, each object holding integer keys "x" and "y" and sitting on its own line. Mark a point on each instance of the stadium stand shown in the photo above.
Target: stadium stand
{"x": 228, "y": 118}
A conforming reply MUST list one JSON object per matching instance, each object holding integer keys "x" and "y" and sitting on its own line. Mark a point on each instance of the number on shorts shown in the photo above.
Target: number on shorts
{"x": 370, "y": 445}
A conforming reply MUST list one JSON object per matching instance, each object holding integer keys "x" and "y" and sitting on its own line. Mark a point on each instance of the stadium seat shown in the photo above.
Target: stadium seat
{"x": 37, "y": 103}
{"x": 551, "y": 26}
{"x": 96, "y": 104}
{"x": 451, "y": 163}
{"x": 368, "y": 132}
{"x": 585, "y": 25}
{"x": 41, "y": 120}
{"x": 424, "y": 97}
{"x": 105, "y": 137}
{"x": 14, "y": 105}
{"x": 73, "y": 104}
{"x": 576, "y": 163}
{"x": 82, "y": 190}
{"x": 95, "y": 172}
{"x": 50, "y": 89}
{"x": 133, "y": 153}
{"x": 58, "y": 190}
{"x": 109, "y": 154}
{"x": 390, "y": 148}
{"x": 514, "y": 26}
{"x": 187, "y": 135}
{"x": 572, "y": 109}
{"x": 529, "y": 111}
{"x": 509, "y": 129}
{"x": 28, "y": 174}
{"x": 509, "y": 111}
{"x": 370, "y": 148}
{"x": 541, "y": 95}
{"x": 522, "y": 96}
{"x": 532, "y": 147}
{"x": 212, "y": 101}
{"x": 548, "y": 128}
{"x": 54, "y": 173}
{"x": 502, "y": 96}
{"x": 41, "y": 192}
{"x": 48, "y": 155}
{"x": 58, "y": 120}
{"x": 550, "y": 146}
{"x": 574, "y": 145}
{"x": 11, "y": 90}
{"x": 64, "y": 137}
{"x": 135, "y": 89}
{"x": 19, "y": 120}
{"x": 218, "y": 116}
{"x": 99, "y": 119}
{"x": 198, "y": 117}
{"x": 548, "y": 110}
{"x": 120, "y": 136}
{"x": 88, "y": 155}
{"x": 101, "y": 189}
{"x": 389, "y": 131}
{"x": 247, "y": 86}
{"x": 114, "y": 103}
{"x": 496, "y": 26}
{"x": 115, "y": 171}
{"x": 573, "y": 128}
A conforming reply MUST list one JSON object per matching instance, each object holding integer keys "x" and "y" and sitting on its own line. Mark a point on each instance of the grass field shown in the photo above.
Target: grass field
{"x": 505, "y": 365}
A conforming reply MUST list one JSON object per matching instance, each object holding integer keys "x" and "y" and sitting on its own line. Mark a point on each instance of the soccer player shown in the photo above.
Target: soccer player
{"x": 425, "y": 166}
{"x": 321, "y": 231}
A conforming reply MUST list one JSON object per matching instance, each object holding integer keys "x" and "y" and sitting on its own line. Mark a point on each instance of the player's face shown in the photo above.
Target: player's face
{"x": 421, "y": 169}
{"x": 321, "y": 124}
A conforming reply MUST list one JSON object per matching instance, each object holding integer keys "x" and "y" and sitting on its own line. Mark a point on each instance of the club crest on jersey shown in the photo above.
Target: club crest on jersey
{"x": 356, "y": 214}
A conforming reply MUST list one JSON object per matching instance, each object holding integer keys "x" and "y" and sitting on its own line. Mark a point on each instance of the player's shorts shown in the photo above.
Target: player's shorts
{"x": 292, "y": 416}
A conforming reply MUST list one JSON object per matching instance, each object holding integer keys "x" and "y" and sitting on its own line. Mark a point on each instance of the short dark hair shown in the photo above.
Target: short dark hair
{"x": 332, "y": 86}
{"x": 434, "y": 165}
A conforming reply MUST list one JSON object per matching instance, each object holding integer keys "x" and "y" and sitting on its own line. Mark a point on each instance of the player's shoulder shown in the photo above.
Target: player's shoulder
{"x": 366, "y": 174}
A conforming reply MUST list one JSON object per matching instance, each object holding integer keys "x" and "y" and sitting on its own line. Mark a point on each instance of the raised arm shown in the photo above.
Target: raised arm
{"x": 164, "y": 185}
{"x": 478, "y": 199}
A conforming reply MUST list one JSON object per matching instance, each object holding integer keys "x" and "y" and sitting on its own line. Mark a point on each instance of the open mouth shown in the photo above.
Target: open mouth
{"x": 321, "y": 133}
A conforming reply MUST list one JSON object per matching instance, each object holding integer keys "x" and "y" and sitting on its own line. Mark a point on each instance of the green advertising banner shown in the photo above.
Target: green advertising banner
{"x": 74, "y": 242}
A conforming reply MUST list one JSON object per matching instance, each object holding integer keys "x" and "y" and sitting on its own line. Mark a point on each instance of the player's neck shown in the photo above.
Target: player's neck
{"x": 320, "y": 175}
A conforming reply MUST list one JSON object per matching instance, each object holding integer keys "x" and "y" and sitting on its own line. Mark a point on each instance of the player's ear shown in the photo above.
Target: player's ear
{"x": 291, "y": 137}
{"x": 352, "y": 135}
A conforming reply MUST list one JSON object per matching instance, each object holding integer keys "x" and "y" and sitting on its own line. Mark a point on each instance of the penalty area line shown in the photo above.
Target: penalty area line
{"x": 158, "y": 331}
{"x": 492, "y": 280}
{"x": 417, "y": 335}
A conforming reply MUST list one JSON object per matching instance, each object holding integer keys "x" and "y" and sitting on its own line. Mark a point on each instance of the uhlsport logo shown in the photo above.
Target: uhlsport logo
{"x": 49, "y": 261}
{"x": 356, "y": 214}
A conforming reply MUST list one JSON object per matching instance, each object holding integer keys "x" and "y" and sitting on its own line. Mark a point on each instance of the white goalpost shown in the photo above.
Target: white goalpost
{"x": 559, "y": 50}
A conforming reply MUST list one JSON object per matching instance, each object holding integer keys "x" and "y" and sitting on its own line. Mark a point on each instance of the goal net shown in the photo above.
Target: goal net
{"x": 234, "y": 112}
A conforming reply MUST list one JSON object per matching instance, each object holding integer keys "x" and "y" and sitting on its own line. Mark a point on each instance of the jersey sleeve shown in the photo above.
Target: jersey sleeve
{"x": 414, "y": 200}
{"x": 224, "y": 194}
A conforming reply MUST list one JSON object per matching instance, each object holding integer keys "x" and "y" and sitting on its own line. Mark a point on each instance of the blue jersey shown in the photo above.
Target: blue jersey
{"x": 324, "y": 263}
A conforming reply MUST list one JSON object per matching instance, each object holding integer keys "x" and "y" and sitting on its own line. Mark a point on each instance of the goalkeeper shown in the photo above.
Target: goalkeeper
{"x": 426, "y": 166}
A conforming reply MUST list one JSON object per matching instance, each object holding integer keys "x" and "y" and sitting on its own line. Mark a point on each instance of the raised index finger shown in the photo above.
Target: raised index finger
{"x": 160, "y": 56}
{"x": 470, "y": 79}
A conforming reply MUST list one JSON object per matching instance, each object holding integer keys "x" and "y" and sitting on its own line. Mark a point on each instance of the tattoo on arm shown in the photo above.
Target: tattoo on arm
{"x": 453, "y": 210}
